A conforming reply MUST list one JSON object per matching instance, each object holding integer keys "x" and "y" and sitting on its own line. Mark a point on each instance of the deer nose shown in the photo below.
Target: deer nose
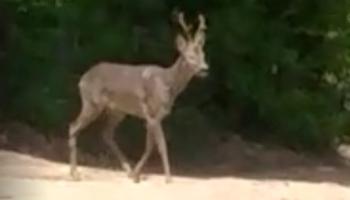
{"x": 204, "y": 66}
{"x": 203, "y": 72}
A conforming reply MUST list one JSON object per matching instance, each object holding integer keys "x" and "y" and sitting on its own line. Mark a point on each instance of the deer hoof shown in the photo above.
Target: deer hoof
{"x": 135, "y": 178}
{"x": 75, "y": 176}
{"x": 128, "y": 171}
{"x": 130, "y": 175}
{"x": 168, "y": 180}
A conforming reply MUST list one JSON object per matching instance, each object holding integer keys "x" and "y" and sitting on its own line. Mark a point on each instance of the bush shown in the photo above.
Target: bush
{"x": 267, "y": 62}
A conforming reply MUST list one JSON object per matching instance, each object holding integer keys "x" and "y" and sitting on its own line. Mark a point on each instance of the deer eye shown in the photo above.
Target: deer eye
{"x": 191, "y": 58}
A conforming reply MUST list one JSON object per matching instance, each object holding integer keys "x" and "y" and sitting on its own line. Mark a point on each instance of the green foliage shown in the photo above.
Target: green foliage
{"x": 271, "y": 61}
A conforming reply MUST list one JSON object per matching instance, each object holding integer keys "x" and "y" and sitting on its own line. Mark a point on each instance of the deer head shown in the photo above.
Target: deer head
{"x": 191, "y": 46}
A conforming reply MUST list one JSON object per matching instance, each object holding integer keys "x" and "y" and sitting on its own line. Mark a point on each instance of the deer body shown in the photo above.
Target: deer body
{"x": 122, "y": 87}
{"x": 117, "y": 87}
{"x": 144, "y": 91}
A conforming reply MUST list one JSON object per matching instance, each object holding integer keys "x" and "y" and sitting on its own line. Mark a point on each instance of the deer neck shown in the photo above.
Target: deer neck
{"x": 179, "y": 75}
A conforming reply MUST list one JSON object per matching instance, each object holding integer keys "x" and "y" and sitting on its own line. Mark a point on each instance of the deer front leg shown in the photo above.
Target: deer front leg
{"x": 148, "y": 150}
{"x": 154, "y": 131}
{"x": 154, "y": 128}
{"x": 162, "y": 149}
{"x": 149, "y": 142}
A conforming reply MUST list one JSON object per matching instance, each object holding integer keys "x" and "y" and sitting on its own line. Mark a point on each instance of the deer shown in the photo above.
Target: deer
{"x": 145, "y": 91}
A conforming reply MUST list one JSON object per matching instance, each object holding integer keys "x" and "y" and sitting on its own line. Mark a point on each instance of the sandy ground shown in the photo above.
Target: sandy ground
{"x": 28, "y": 178}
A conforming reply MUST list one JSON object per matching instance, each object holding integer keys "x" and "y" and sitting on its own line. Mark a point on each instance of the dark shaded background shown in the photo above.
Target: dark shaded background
{"x": 279, "y": 69}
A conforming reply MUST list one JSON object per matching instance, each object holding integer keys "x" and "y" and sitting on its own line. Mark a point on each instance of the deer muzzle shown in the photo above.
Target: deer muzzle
{"x": 203, "y": 71}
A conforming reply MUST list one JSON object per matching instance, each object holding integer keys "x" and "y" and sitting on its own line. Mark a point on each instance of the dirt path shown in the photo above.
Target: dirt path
{"x": 28, "y": 178}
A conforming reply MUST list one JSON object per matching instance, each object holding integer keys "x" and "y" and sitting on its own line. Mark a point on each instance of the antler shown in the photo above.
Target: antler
{"x": 184, "y": 26}
{"x": 202, "y": 25}
{"x": 200, "y": 33}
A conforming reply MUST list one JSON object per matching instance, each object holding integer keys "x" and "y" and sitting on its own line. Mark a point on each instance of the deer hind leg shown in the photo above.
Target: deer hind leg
{"x": 108, "y": 136}
{"x": 88, "y": 113}
{"x": 146, "y": 154}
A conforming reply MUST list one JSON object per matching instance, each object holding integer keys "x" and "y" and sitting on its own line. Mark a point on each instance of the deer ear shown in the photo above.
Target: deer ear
{"x": 180, "y": 43}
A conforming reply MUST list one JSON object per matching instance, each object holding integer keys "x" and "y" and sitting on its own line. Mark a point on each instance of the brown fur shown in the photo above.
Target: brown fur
{"x": 144, "y": 91}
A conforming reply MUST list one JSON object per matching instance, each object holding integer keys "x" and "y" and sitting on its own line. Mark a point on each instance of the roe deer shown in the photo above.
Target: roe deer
{"x": 144, "y": 91}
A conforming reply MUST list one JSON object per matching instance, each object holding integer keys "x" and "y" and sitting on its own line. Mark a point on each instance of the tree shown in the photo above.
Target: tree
{"x": 271, "y": 61}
